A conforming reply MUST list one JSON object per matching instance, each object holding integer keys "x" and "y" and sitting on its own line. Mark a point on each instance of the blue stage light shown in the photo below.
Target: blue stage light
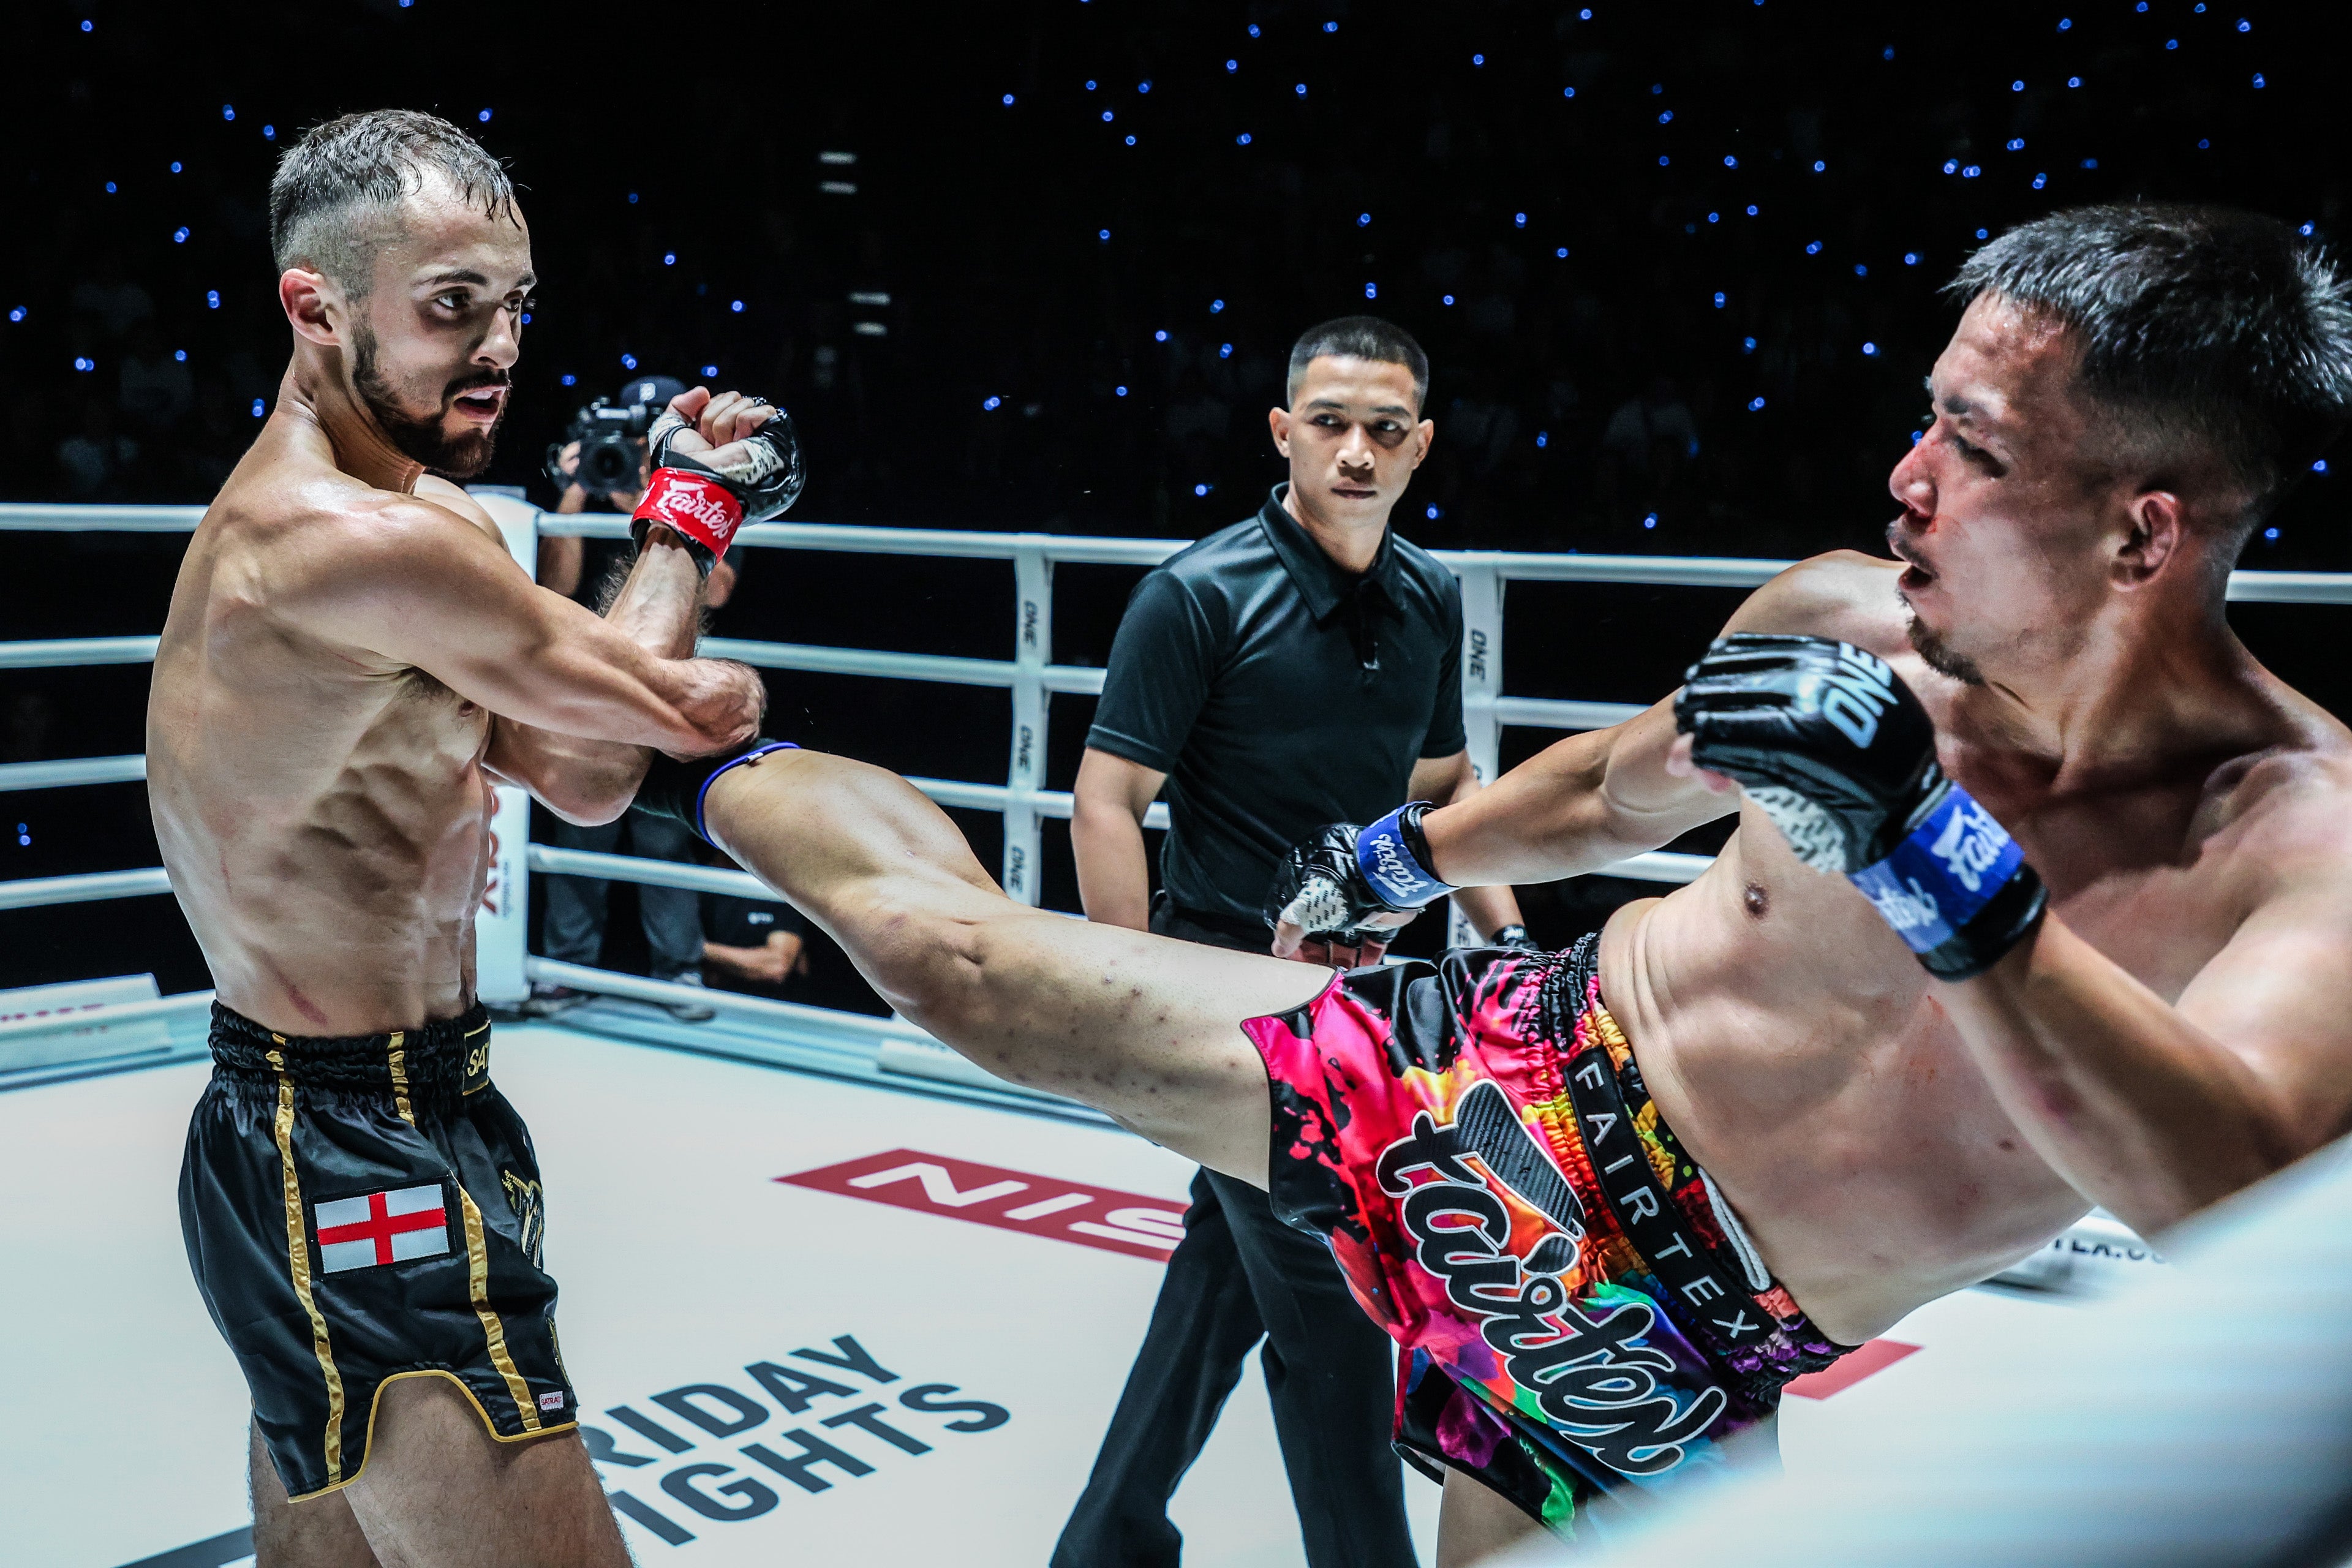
{"x": 628, "y": 361}
{"x": 1719, "y": 300}
{"x": 1871, "y": 350}
{"x": 484, "y": 116}
{"x": 1008, "y": 101}
{"x": 710, "y": 371}
{"x": 1244, "y": 139}
{"x": 1371, "y": 291}
{"x": 259, "y": 410}
{"x": 570, "y": 380}
{"x": 991, "y": 405}
{"x": 180, "y": 235}
{"x": 1216, "y": 306}
{"x": 1748, "y": 345}
{"x": 211, "y": 298}
{"x": 1755, "y": 406}
{"x": 1119, "y": 391}
{"x": 736, "y": 306}
{"x": 1160, "y": 336}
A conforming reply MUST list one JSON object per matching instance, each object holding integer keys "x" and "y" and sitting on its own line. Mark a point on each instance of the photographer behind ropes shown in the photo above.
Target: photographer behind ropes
{"x": 605, "y": 463}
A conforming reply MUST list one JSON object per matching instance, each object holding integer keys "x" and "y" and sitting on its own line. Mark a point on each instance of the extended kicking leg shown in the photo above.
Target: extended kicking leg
{"x": 1142, "y": 1027}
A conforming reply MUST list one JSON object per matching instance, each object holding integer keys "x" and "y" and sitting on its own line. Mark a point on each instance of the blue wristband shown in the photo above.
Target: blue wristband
{"x": 1384, "y": 853}
{"x": 1949, "y": 867}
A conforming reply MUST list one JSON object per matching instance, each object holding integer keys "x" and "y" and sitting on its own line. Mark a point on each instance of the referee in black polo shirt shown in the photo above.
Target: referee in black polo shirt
{"x": 1300, "y": 667}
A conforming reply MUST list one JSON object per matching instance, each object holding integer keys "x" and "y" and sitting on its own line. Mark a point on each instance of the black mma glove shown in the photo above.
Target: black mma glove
{"x": 1515, "y": 937}
{"x": 1838, "y": 752}
{"x": 704, "y": 496}
{"x": 1332, "y": 886}
{"x": 676, "y": 789}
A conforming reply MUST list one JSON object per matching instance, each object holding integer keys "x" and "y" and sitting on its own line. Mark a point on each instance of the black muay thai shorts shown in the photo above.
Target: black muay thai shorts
{"x": 361, "y": 1210}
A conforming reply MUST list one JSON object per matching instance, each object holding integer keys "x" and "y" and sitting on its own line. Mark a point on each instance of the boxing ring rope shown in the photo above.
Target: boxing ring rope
{"x": 1030, "y": 678}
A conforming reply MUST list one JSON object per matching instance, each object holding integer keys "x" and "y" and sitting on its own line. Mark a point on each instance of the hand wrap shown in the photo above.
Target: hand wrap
{"x": 677, "y": 789}
{"x": 705, "y": 502}
{"x": 1839, "y": 753}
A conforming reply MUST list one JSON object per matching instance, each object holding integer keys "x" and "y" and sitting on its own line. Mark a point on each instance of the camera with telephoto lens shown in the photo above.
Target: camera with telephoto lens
{"x": 611, "y": 447}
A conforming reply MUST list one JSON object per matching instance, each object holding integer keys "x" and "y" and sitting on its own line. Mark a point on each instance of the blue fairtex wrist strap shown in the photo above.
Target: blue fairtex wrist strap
{"x": 1384, "y": 852}
{"x": 703, "y": 794}
{"x": 1948, "y": 868}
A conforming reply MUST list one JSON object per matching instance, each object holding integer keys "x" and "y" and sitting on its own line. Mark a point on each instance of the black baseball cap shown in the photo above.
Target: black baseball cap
{"x": 656, "y": 390}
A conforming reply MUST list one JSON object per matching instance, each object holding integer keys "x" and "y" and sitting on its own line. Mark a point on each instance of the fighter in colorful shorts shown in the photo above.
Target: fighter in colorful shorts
{"x": 2039, "y": 895}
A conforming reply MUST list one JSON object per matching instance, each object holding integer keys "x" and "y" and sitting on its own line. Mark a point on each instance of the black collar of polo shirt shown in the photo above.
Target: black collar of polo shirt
{"x": 1323, "y": 583}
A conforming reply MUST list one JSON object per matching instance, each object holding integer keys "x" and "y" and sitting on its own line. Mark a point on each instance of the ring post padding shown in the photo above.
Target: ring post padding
{"x": 1482, "y": 683}
{"x": 1033, "y": 650}
{"x": 502, "y": 926}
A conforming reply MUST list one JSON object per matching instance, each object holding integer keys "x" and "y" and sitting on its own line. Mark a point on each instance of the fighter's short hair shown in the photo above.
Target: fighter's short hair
{"x": 333, "y": 200}
{"x": 1359, "y": 337}
{"x": 2196, "y": 323}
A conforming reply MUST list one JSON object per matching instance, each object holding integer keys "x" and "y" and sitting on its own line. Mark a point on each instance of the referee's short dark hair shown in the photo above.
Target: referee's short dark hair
{"x": 1359, "y": 337}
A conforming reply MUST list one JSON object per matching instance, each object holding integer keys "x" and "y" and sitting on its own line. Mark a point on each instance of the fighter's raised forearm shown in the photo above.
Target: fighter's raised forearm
{"x": 2139, "y": 1107}
{"x": 1581, "y": 804}
{"x": 659, "y": 608}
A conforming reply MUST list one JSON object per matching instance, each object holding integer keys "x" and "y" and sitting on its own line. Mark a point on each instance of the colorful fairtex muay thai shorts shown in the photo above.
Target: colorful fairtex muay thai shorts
{"x": 1576, "y": 1315}
{"x": 361, "y": 1210}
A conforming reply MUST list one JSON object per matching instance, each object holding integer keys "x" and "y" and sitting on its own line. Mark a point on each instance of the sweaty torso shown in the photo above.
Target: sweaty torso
{"x": 1796, "y": 1046}
{"x": 323, "y": 813}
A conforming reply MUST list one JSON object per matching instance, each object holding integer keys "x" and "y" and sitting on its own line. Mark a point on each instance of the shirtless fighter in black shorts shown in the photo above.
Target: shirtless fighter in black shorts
{"x": 351, "y": 659}
{"x": 2040, "y": 895}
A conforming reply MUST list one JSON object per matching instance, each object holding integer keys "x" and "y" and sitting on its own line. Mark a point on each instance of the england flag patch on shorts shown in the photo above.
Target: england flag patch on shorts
{"x": 382, "y": 1228}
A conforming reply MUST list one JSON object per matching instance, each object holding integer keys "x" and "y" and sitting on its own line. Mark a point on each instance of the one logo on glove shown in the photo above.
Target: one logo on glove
{"x": 1853, "y": 695}
{"x": 1389, "y": 864}
{"x": 1970, "y": 844}
{"x": 701, "y": 509}
{"x": 1936, "y": 879}
{"x": 1908, "y": 908}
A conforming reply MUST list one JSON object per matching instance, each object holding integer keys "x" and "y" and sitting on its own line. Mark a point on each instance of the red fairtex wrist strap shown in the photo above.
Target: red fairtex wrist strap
{"x": 696, "y": 505}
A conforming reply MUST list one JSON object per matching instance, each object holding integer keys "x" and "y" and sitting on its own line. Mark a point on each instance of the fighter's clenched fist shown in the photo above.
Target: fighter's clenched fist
{"x": 1838, "y": 752}
{"x": 718, "y": 463}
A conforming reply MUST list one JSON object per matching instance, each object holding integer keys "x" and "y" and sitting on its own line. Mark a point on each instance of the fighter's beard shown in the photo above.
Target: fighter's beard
{"x": 454, "y": 457}
{"x": 1940, "y": 655}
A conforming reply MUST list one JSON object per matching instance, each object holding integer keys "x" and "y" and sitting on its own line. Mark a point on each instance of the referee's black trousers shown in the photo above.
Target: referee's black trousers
{"x": 1238, "y": 1276}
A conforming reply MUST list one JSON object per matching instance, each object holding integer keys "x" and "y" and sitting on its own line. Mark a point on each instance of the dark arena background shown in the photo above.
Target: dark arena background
{"x": 1036, "y": 265}
{"x": 1019, "y": 266}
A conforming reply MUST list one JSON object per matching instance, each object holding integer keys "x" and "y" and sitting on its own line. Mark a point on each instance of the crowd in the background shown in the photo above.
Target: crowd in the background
{"x": 1678, "y": 274}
